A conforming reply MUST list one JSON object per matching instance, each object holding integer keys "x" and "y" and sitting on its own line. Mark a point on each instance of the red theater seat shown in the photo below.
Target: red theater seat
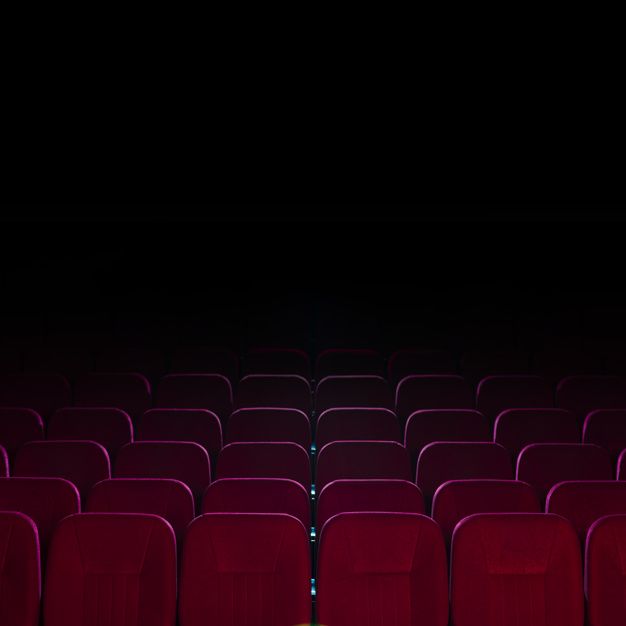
{"x": 245, "y": 568}
{"x": 458, "y": 499}
{"x": 362, "y": 459}
{"x": 403, "y": 363}
{"x": 19, "y": 570}
{"x": 111, "y": 428}
{"x": 43, "y": 393}
{"x": 348, "y": 423}
{"x": 4, "y": 463}
{"x": 265, "y": 460}
{"x": 517, "y": 428}
{"x": 607, "y": 429}
{"x": 543, "y": 465}
{"x": 170, "y": 499}
{"x": 83, "y": 463}
{"x": 258, "y": 390}
{"x": 258, "y": 495}
{"x": 387, "y": 495}
{"x": 621, "y": 465}
{"x": 270, "y": 424}
{"x": 107, "y": 568}
{"x": 583, "y": 394}
{"x": 387, "y": 567}
{"x": 206, "y": 360}
{"x": 18, "y": 426}
{"x": 278, "y": 361}
{"x": 516, "y": 568}
{"x": 352, "y": 391}
{"x": 337, "y": 362}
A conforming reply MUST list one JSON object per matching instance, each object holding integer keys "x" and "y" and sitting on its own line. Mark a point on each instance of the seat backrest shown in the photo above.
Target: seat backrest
{"x": 440, "y": 462}
{"x": 245, "y": 568}
{"x": 583, "y": 394}
{"x": 457, "y": 499}
{"x": 517, "y": 428}
{"x": 83, "y": 463}
{"x": 516, "y": 568}
{"x": 352, "y": 391}
{"x": 346, "y": 496}
{"x": 498, "y": 393}
{"x": 258, "y": 495}
{"x": 415, "y": 393}
{"x": 274, "y": 390}
{"x": 44, "y": 500}
{"x": 20, "y": 578}
{"x": 340, "y": 362}
{"x": 404, "y": 363}
{"x": 621, "y": 465}
{"x": 361, "y": 459}
{"x": 277, "y": 361}
{"x": 43, "y": 393}
{"x": 265, "y": 460}
{"x": 111, "y": 428}
{"x": 607, "y": 429}
{"x": 17, "y": 426}
{"x": 206, "y": 360}
{"x": 111, "y": 568}
{"x": 350, "y": 423}
{"x": 543, "y": 465}
{"x": 168, "y": 498}
{"x": 270, "y": 424}
{"x": 388, "y": 565}
{"x": 585, "y": 502}
{"x": 4, "y": 463}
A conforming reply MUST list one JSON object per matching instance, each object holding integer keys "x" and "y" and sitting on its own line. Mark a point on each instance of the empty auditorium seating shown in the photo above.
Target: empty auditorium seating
{"x": 497, "y": 393}
{"x": 111, "y": 428}
{"x": 516, "y": 568}
{"x": 265, "y": 460}
{"x": 458, "y": 499}
{"x": 345, "y": 496}
{"x": 44, "y": 393}
{"x": 44, "y": 500}
{"x": 168, "y": 498}
{"x": 404, "y": 363}
{"x": 270, "y": 424}
{"x": 415, "y": 393}
{"x": 245, "y": 568}
{"x": 352, "y": 391}
{"x": 277, "y": 390}
{"x": 604, "y": 571}
{"x": 517, "y": 428}
{"x": 361, "y": 459}
{"x": 582, "y": 394}
{"x": 181, "y": 460}
{"x": 258, "y": 495}
{"x": 337, "y": 362}
{"x": 4, "y": 463}
{"x": 543, "y": 465}
{"x": 424, "y": 427}
{"x": 387, "y": 567}
{"x": 196, "y": 391}
{"x": 129, "y": 392}
{"x": 607, "y": 429}
{"x": 83, "y": 463}
{"x": 277, "y": 361}
{"x": 17, "y": 426}
{"x": 201, "y": 360}
{"x": 19, "y": 570}
{"x": 346, "y": 423}
{"x": 106, "y": 568}
{"x": 440, "y": 462}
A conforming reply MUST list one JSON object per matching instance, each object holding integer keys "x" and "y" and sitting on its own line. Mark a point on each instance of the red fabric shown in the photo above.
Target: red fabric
{"x": 338, "y": 362}
{"x": 440, "y": 462}
{"x": 258, "y": 495}
{"x": 405, "y": 363}
{"x": 20, "y": 580}
{"x": 621, "y": 466}
{"x": 265, "y": 460}
{"x": 415, "y": 393}
{"x": 278, "y": 361}
{"x": 181, "y": 460}
{"x": 606, "y": 428}
{"x": 350, "y": 423}
{"x": 111, "y": 428}
{"x": 361, "y": 459}
{"x": 605, "y": 576}
{"x": 278, "y": 390}
{"x": 583, "y": 394}
{"x": 168, "y": 498}
{"x": 458, "y": 499}
{"x": 4, "y": 463}
{"x": 543, "y": 465}
{"x": 208, "y": 361}
{"x": 387, "y": 495}
{"x": 270, "y": 424}
{"x": 382, "y": 568}
{"x": 516, "y": 568}
{"x": 107, "y": 568}
{"x": 352, "y": 391}
{"x": 517, "y": 428}
{"x": 245, "y": 569}
{"x": 83, "y": 463}
{"x": 44, "y": 500}
{"x": 43, "y": 393}
{"x": 498, "y": 393}
{"x": 17, "y": 426}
